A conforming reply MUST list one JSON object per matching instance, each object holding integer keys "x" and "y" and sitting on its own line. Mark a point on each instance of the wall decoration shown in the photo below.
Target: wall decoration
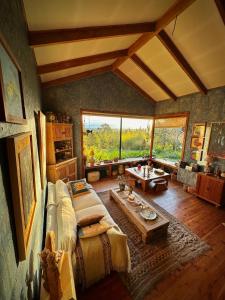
{"x": 12, "y": 107}
{"x": 197, "y": 143}
{"x": 196, "y": 155}
{"x": 42, "y": 146}
{"x": 217, "y": 140}
{"x": 22, "y": 176}
{"x": 198, "y": 130}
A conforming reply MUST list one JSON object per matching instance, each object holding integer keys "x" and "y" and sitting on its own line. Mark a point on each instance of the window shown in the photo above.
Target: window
{"x": 115, "y": 137}
{"x": 168, "y": 139}
{"x": 135, "y": 137}
{"x": 102, "y": 135}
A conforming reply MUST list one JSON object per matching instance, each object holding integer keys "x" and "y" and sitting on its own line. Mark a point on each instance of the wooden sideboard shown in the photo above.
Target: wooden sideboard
{"x": 211, "y": 188}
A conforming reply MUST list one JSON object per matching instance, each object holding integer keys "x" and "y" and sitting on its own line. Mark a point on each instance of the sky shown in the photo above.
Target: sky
{"x": 93, "y": 122}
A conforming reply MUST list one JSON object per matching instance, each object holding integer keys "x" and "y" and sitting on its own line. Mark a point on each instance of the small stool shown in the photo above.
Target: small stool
{"x": 158, "y": 185}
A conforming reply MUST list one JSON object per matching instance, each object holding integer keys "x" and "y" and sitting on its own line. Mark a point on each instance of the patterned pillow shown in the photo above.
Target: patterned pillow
{"x": 78, "y": 187}
{"x": 93, "y": 230}
{"x": 93, "y": 219}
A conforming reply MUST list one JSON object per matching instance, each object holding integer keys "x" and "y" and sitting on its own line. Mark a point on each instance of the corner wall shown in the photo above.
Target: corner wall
{"x": 105, "y": 92}
{"x": 202, "y": 108}
{"x": 19, "y": 280}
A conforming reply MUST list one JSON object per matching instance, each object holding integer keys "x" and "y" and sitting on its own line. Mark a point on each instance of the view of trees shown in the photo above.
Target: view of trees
{"x": 103, "y": 137}
{"x": 168, "y": 143}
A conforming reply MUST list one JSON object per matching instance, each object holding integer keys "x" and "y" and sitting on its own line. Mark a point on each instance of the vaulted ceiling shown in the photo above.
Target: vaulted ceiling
{"x": 165, "y": 48}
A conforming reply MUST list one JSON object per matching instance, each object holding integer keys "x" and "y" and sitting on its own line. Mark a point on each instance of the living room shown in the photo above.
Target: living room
{"x": 129, "y": 95}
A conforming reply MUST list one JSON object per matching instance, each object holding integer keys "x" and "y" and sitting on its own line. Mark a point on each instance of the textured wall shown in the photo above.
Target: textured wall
{"x": 104, "y": 92}
{"x": 13, "y": 274}
{"x": 202, "y": 108}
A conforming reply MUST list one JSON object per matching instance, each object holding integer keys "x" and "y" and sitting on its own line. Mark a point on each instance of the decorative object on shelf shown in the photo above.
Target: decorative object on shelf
{"x": 91, "y": 159}
{"x": 198, "y": 130}
{"x": 12, "y": 107}
{"x": 42, "y": 146}
{"x": 23, "y": 187}
{"x": 209, "y": 160}
{"x": 217, "y": 140}
{"x": 196, "y": 155}
{"x": 51, "y": 117}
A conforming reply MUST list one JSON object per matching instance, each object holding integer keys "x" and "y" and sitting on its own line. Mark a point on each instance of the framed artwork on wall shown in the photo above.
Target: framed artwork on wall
{"x": 198, "y": 130}
{"x": 217, "y": 140}
{"x": 197, "y": 143}
{"x": 42, "y": 146}
{"x": 23, "y": 187}
{"x": 12, "y": 107}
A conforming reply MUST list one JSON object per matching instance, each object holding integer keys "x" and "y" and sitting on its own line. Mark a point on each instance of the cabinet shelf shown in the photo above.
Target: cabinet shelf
{"x": 63, "y": 150}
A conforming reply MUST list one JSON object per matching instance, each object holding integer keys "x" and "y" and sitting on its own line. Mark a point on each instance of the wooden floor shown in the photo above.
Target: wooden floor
{"x": 200, "y": 279}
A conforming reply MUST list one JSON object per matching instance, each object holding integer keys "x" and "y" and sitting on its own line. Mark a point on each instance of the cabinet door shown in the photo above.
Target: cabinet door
{"x": 68, "y": 131}
{"x": 204, "y": 187}
{"x": 216, "y": 191}
{"x": 72, "y": 170}
{"x": 211, "y": 189}
{"x": 58, "y": 132}
{"x": 61, "y": 173}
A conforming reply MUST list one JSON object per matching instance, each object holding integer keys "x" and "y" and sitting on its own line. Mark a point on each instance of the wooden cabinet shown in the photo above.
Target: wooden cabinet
{"x": 211, "y": 188}
{"x": 60, "y": 161}
{"x": 65, "y": 171}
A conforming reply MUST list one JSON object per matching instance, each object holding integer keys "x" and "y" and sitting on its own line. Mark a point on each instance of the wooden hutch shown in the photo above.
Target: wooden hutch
{"x": 61, "y": 164}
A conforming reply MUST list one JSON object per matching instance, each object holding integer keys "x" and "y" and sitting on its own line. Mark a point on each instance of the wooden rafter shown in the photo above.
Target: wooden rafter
{"x": 152, "y": 75}
{"x": 181, "y": 60}
{"x": 221, "y": 8}
{"x": 124, "y": 77}
{"x": 78, "y": 76}
{"x": 176, "y": 9}
{"x": 66, "y": 64}
{"x": 45, "y": 37}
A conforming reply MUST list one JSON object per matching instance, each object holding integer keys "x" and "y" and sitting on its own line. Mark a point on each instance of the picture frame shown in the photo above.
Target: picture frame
{"x": 216, "y": 146}
{"x": 42, "y": 146}
{"x": 198, "y": 130}
{"x": 23, "y": 187}
{"x": 197, "y": 143}
{"x": 12, "y": 108}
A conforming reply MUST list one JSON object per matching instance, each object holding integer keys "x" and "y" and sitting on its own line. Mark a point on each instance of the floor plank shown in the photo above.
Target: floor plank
{"x": 201, "y": 279}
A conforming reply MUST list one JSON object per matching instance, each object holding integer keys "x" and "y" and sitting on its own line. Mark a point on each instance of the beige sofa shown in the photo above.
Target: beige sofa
{"x": 92, "y": 258}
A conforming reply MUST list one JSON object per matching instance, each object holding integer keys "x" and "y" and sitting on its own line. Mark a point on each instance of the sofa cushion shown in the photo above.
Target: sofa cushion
{"x": 93, "y": 219}
{"x": 78, "y": 187}
{"x": 51, "y": 224}
{"x": 96, "y": 209}
{"x": 61, "y": 191}
{"x": 93, "y": 230}
{"x": 51, "y": 195}
{"x": 67, "y": 225}
{"x": 86, "y": 200}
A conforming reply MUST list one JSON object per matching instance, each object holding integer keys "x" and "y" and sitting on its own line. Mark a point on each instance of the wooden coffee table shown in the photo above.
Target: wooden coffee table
{"x": 148, "y": 229}
{"x": 134, "y": 172}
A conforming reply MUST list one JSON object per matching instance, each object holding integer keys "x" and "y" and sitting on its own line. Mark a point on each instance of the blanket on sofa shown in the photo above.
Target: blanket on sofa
{"x": 97, "y": 256}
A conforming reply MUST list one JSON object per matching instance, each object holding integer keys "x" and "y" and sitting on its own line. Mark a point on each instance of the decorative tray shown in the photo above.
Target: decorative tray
{"x": 148, "y": 214}
{"x": 159, "y": 171}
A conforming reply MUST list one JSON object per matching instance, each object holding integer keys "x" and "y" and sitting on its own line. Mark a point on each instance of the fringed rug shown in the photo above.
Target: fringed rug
{"x": 151, "y": 262}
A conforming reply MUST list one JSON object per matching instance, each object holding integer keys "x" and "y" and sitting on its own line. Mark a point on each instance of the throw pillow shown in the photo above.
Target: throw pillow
{"x": 93, "y": 219}
{"x": 93, "y": 230}
{"x": 78, "y": 187}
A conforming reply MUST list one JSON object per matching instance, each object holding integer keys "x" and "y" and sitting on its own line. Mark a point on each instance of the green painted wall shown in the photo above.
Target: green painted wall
{"x": 14, "y": 274}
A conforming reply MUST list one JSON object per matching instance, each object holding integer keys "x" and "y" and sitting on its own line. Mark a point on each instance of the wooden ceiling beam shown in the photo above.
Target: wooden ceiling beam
{"x": 46, "y": 37}
{"x": 152, "y": 75}
{"x": 125, "y": 78}
{"x": 66, "y": 64}
{"x": 221, "y": 8}
{"x": 176, "y": 9}
{"x": 181, "y": 60}
{"x": 75, "y": 77}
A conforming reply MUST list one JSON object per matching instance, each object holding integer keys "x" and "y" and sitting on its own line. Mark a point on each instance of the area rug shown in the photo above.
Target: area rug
{"x": 152, "y": 262}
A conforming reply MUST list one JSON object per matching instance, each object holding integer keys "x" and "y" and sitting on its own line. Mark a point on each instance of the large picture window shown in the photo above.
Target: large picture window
{"x": 112, "y": 137}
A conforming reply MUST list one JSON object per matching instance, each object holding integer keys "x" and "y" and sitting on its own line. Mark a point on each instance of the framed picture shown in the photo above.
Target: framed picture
{"x": 42, "y": 146}
{"x": 217, "y": 140}
{"x": 197, "y": 143}
{"x": 22, "y": 176}
{"x": 196, "y": 155}
{"x": 198, "y": 130}
{"x": 12, "y": 107}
